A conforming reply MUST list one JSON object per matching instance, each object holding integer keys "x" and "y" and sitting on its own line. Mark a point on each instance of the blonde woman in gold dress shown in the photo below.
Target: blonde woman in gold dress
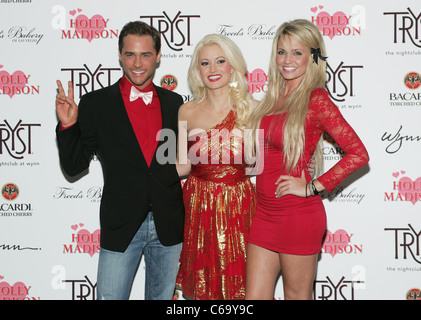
{"x": 219, "y": 197}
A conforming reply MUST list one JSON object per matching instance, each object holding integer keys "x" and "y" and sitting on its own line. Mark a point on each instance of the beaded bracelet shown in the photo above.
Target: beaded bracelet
{"x": 313, "y": 190}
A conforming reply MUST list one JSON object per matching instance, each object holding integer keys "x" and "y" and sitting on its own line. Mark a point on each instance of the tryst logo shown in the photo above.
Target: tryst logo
{"x": 175, "y": 31}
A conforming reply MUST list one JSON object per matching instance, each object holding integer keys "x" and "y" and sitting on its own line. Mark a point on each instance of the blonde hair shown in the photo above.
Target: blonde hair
{"x": 296, "y": 106}
{"x": 238, "y": 94}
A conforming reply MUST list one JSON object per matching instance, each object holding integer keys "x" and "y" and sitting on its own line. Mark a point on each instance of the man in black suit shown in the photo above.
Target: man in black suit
{"x": 141, "y": 207}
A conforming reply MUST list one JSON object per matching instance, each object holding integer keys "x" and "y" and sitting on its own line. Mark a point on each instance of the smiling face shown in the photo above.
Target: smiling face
{"x": 292, "y": 60}
{"x": 138, "y": 59}
{"x": 214, "y": 69}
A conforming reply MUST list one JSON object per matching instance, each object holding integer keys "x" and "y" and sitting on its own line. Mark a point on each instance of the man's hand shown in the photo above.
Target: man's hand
{"x": 67, "y": 109}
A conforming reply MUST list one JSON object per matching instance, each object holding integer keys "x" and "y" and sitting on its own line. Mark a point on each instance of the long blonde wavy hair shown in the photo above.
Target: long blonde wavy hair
{"x": 238, "y": 93}
{"x": 296, "y": 106}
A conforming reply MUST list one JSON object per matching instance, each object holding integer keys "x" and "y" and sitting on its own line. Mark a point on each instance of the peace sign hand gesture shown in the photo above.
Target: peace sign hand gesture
{"x": 67, "y": 109}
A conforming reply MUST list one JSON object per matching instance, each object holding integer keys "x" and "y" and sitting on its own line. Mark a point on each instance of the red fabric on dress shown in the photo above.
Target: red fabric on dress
{"x": 292, "y": 224}
{"x": 219, "y": 201}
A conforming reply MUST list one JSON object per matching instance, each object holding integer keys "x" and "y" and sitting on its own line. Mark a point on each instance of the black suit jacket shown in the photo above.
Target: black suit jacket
{"x": 131, "y": 188}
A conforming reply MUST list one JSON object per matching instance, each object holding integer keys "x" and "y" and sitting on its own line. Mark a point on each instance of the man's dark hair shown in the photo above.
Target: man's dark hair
{"x": 139, "y": 28}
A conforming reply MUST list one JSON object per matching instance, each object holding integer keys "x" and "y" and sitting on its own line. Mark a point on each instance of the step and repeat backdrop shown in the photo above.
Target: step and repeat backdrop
{"x": 49, "y": 223}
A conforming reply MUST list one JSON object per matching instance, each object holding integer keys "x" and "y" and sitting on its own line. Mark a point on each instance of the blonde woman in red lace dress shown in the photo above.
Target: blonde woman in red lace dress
{"x": 290, "y": 221}
{"x": 219, "y": 198}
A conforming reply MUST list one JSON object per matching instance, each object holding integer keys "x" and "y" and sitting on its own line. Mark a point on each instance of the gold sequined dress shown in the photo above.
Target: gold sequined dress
{"x": 219, "y": 200}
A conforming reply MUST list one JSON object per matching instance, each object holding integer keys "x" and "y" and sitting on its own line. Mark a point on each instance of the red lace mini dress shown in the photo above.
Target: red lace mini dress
{"x": 291, "y": 224}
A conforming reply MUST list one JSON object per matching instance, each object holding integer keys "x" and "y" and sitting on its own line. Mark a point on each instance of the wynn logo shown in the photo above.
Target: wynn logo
{"x": 396, "y": 140}
{"x": 16, "y": 247}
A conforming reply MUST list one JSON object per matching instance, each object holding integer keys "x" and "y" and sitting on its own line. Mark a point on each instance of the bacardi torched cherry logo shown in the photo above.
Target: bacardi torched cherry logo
{"x": 10, "y": 191}
{"x": 413, "y": 294}
{"x": 169, "y": 82}
{"x": 412, "y": 80}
